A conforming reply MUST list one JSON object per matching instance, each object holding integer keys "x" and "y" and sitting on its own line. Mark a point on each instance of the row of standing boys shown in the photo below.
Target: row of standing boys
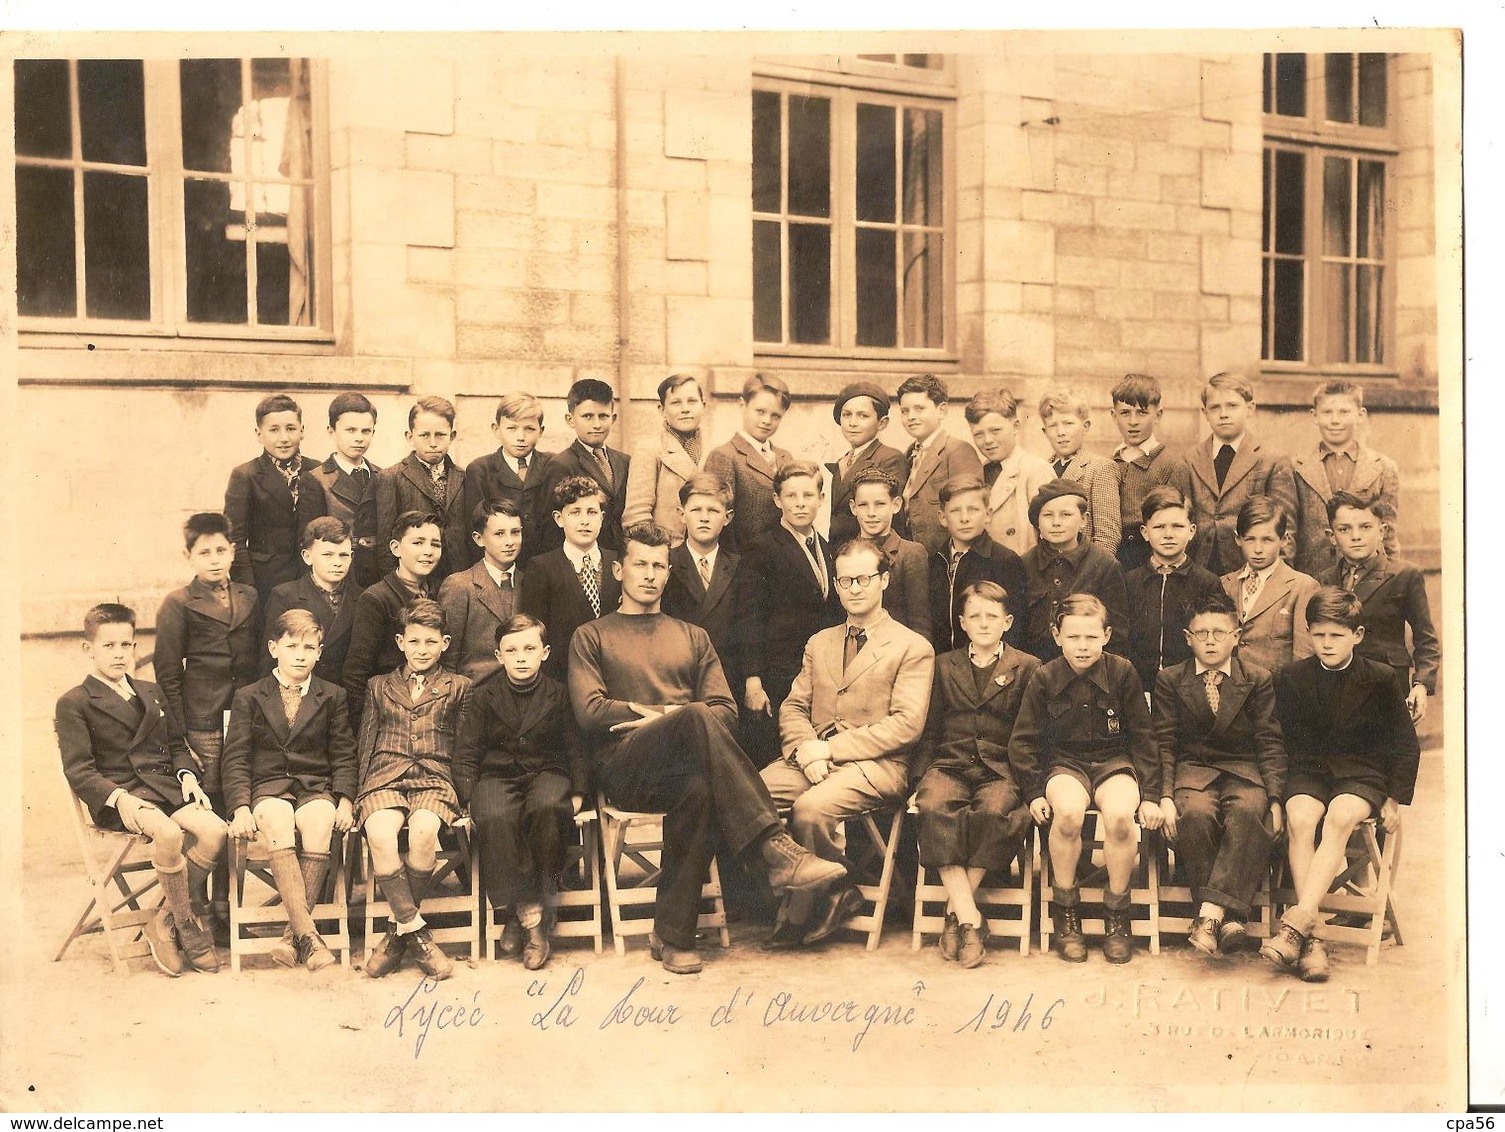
{"x": 378, "y": 634}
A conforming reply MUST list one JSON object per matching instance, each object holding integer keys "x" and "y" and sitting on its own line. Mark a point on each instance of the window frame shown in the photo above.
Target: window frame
{"x": 169, "y": 327}
{"x": 1317, "y": 138}
{"x": 846, "y": 81}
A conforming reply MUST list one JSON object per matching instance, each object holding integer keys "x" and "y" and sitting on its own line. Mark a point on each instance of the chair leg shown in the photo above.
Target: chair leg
{"x": 1150, "y": 844}
{"x": 613, "y": 833}
{"x": 886, "y": 878}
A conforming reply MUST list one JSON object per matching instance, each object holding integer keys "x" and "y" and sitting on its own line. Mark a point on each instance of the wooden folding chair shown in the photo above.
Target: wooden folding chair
{"x": 1178, "y": 905}
{"x": 575, "y": 906}
{"x": 875, "y": 891}
{"x": 452, "y": 906}
{"x": 257, "y": 918}
{"x": 1092, "y": 885}
{"x": 114, "y": 863}
{"x": 632, "y": 844}
{"x": 1008, "y": 891}
{"x": 1364, "y": 892}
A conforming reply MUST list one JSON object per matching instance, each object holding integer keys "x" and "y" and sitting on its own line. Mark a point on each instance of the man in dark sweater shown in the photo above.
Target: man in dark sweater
{"x": 651, "y": 696}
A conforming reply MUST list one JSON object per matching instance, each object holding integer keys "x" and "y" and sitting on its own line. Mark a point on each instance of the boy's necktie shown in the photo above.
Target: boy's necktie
{"x": 362, "y": 477}
{"x": 1061, "y": 464}
{"x": 438, "y": 476}
{"x": 522, "y": 467}
{"x": 703, "y": 566}
{"x": 817, "y": 566}
{"x": 290, "y": 469}
{"x": 417, "y": 681}
{"x": 292, "y": 699}
{"x": 1350, "y": 576}
{"x": 604, "y": 464}
{"x": 588, "y": 583}
{"x": 1251, "y": 587}
{"x": 1212, "y": 678}
{"x": 1222, "y": 462}
{"x": 692, "y": 447}
{"x": 850, "y": 647}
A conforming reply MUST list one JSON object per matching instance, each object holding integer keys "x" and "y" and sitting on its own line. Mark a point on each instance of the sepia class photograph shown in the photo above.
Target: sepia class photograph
{"x": 736, "y": 571}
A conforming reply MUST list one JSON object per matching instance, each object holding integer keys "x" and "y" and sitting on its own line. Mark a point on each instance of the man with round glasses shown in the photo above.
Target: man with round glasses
{"x": 847, "y": 730}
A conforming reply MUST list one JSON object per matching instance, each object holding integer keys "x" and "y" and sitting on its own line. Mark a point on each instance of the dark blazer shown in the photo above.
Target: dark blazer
{"x": 1243, "y": 739}
{"x": 265, "y": 526}
{"x": 551, "y": 592}
{"x": 1256, "y": 470}
{"x": 1394, "y": 594}
{"x": 576, "y": 460}
{"x": 264, "y": 754}
{"x": 789, "y": 607}
{"x": 985, "y": 561}
{"x": 373, "y": 639}
{"x": 203, "y": 652}
{"x": 724, "y": 611}
{"x": 964, "y": 727}
{"x": 751, "y": 479}
{"x": 105, "y": 746}
{"x": 474, "y": 608}
{"x": 354, "y": 503}
{"x": 1157, "y": 613}
{"x": 1089, "y": 569}
{"x": 491, "y": 478}
{"x": 408, "y": 487}
{"x": 1361, "y": 728}
{"x": 948, "y": 456}
{"x": 424, "y": 729}
{"x": 1098, "y": 717}
{"x": 1375, "y": 476}
{"x": 507, "y": 734}
{"x": 907, "y": 598}
{"x": 1135, "y": 479}
{"x": 878, "y": 455}
{"x": 336, "y": 623}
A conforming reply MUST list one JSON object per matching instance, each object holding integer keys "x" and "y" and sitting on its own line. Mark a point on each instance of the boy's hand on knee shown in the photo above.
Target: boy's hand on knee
{"x": 1416, "y": 703}
{"x": 1149, "y": 815}
{"x": 344, "y": 816}
{"x": 1039, "y": 809}
{"x": 1390, "y": 815}
{"x": 243, "y": 824}
{"x": 193, "y": 793}
{"x": 129, "y": 807}
{"x": 1168, "y": 817}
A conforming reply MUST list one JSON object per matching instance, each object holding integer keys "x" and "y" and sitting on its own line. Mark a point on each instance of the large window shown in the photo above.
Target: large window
{"x": 170, "y": 198}
{"x": 851, "y": 226}
{"x": 1326, "y": 250}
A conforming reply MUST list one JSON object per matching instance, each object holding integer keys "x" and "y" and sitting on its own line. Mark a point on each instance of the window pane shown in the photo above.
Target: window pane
{"x": 1371, "y": 210}
{"x": 1369, "y": 333}
{"x": 877, "y": 323}
{"x": 810, "y": 283}
{"x": 809, "y": 156}
{"x": 1340, "y": 88}
{"x": 211, "y": 97}
{"x": 923, "y": 277}
{"x": 1290, "y": 202}
{"x": 45, "y": 263}
{"x": 299, "y": 273}
{"x": 1269, "y": 91}
{"x": 928, "y": 62}
{"x": 1289, "y": 309}
{"x": 1372, "y": 90}
{"x": 1266, "y": 285}
{"x": 1338, "y": 286}
{"x": 272, "y": 269}
{"x": 768, "y": 284}
{"x": 922, "y": 167}
{"x": 875, "y": 162}
{"x": 214, "y": 238}
{"x": 111, "y": 113}
{"x": 1337, "y": 206}
{"x": 42, "y": 127}
{"x": 1267, "y": 179}
{"x": 766, "y": 172}
{"x": 1290, "y": 85}
{"x": 117, "y": 247}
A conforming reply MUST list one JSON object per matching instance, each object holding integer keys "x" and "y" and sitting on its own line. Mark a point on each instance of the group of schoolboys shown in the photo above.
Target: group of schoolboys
{"x": 1041, "y": 638}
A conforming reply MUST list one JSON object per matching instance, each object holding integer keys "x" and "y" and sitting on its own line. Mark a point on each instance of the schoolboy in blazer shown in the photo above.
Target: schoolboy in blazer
{"x": 933, "y": 460}
{"x": 264, "y": 754}
{"x": 861, "y": 410}
{"x": 1273, "y": 628}
{"x": 411, "y": 486}
{"x": 326, "y": 591}
{"x": 348, "y": 481}
{"x": 723, "y": 609}
{"x": 1011, "y": 474}
{"x": 592, "y": 412}
{"x": 655, "y": 477}
{"x": 269, "y": 500}
{"x": 1253, "y": 468}
{"x": 747, "y": 462}
{"x": 480, "y": 600}
{"x": 514, "y": 472}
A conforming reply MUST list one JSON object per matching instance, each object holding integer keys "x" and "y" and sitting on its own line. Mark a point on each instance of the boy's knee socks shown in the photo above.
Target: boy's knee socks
{"x": 289, "y": 879}
{"x": 399, "y": 893}
{"x": 175, "y": 892}
{"x": 198, "y": 886}
{"x": 1063, "y": 897}
{"x": 315, "y": 867}
{"x": 1116, "y": 901}
{"x": 419, "y": 879}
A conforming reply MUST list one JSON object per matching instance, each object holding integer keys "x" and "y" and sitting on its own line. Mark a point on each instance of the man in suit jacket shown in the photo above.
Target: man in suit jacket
{"x": 411, "y": 486}
{"x": 128, "y": 763}
{"x": 1223, "y": 771}
{"x": 746, "y": 463}
{"x": 847, "y": 727}
{"x": 794, "y": 595}
{"x": 861, "y": 410}
{"x": 933, "y": 459}
{"x": 1222, "y": 473}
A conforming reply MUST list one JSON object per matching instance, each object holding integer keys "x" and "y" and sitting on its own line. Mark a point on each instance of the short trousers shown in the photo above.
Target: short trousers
{"x": 1325, "y": 787}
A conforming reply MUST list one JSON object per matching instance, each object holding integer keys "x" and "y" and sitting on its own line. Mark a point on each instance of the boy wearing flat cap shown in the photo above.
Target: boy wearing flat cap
{"x": 1064, "y": 562}
{"x": 861, "y": 410}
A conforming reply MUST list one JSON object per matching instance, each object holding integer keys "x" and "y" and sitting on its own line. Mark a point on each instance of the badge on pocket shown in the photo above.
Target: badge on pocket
{"x": 1115, "y": 725}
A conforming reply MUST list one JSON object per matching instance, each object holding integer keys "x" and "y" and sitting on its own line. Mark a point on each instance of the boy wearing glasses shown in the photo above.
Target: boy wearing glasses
{"x": 847, "y": 729}
{"x": 1222, "y": 770}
